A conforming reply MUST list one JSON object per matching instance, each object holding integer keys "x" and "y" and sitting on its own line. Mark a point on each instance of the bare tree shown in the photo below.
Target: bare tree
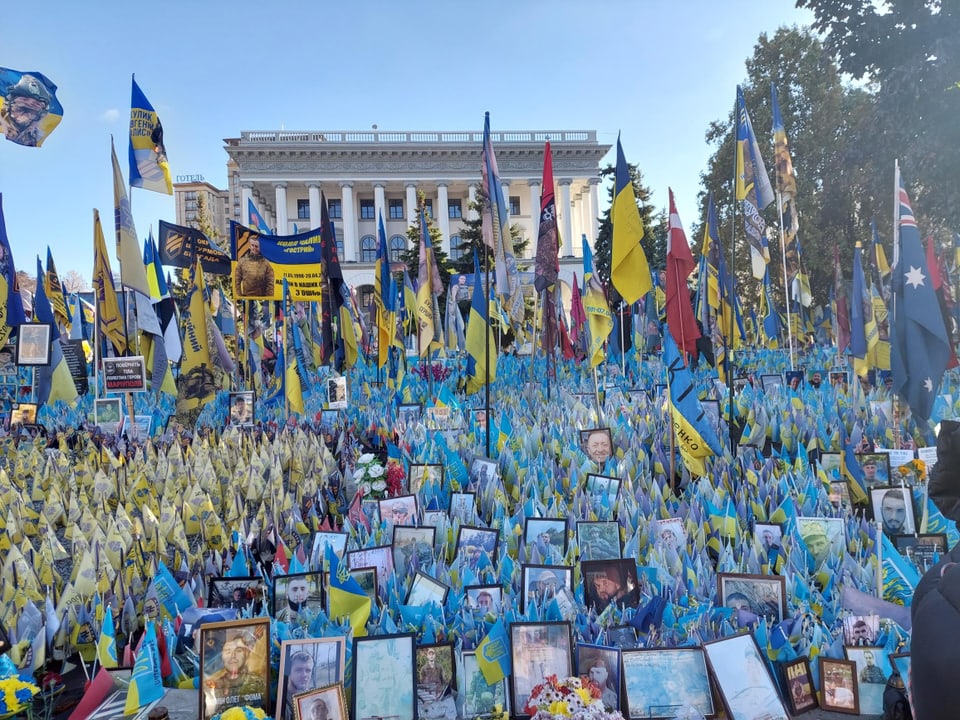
{"x": 73, "y": 281}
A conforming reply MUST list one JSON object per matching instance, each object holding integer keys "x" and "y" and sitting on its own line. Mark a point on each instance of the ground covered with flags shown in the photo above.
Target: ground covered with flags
{"x": 104, "y": 538}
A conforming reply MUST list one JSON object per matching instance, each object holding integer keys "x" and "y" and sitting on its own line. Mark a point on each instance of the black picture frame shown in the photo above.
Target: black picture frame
{"x": 437, "y": 680}
{"x": 426, "y": 589}
{"x": 473, "y": 543}
{"x": 413, "y": 547}
{"x": 597, "y": 444}
{"x": 601, "y": 664}
{"x": 923, "y": 549}
{"x": 599, "y": 540}
{"x": 309, "y": 585}
{"x": 549, "y": 536}
{"x": 771, "y": 382}
{"x": 763, "y": 595}
{"x": 602, "y": 487}
{"x": 607, "y": 582}
{"x": 400, "y": 510}
{"x": 422, "y": 473}
{"x": 893, "y": 506}
{"x": 242, "y": 408}
{"x": 880, "y": 475}
{"x": 537, "y": 650}
{"x": 541, "y": 583}
{"x": 33, "y": 344}
{"x": 385, "y": 667}
{"x": 237, "y": 592}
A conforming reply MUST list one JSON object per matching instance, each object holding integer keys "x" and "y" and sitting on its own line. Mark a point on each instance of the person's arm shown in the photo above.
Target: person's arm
{"x": 945, "y": 477}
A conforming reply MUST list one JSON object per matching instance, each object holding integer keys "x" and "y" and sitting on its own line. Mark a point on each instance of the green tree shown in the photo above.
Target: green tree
{"x": 471, "y": 239}
{"x": 908, "y": 53}
{"x": 838, "y": 181}
{"x": 653, "y": 245}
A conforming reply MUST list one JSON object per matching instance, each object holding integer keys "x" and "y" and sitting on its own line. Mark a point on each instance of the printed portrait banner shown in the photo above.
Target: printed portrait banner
{"x": 29, "y": 109}
{"x": 179, "y": 246}
{"x": 262, "y": 262}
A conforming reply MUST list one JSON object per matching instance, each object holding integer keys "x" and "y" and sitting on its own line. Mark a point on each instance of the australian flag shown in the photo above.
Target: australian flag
{"x": 919, "y": 349}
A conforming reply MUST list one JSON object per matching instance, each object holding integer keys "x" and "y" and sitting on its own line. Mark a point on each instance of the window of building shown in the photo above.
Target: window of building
{"x": 303, "y": 209}
{"x": 456, "y": 248}
{"x": 514, "y": 204}
{"x": 365, "y": 297}
{"x": 398, "y": 245}
{"x": 340, "y": 255}
{"x": 428, "y": 206}
{"x": 191, "y": 215}
{"x": 190, "y": 205}
{"x": 334, "y": 209}
{"x": 367, "y": 210}
{"x": 368, "y": 248}
{"x": 396, "y": 209}
{"x": 192, "y": 195}
{"x": 454, "y": 212}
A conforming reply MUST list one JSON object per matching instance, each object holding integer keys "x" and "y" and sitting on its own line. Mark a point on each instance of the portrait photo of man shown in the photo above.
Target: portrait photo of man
{"x": 253, "y": 276}
{"x": 29, "y": 110}
{"x": 611, "y": 582}
{"x": 299, "y": 680}
{"x": 234, "y": 666}
{"x": 297, "y": 598}
{"x": 306, "y": 665}
{"x": 434, "y": 671}
{"x": 894, "y": 508}
{"x": 597, "y": 445}
{"x": 241, "y": 408}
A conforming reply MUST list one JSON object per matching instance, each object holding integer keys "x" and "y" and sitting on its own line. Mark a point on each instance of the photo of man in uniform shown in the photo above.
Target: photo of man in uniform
{"x": 299, "y": 680}
{"x": 253, "y": 277}
{"x": 25, "y": 105}
{"x": 238, "y": 681}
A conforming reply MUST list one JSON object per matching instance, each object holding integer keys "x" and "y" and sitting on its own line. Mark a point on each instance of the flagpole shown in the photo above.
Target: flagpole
{"x": 733, "y": 286}
{"x": 486, "y": 339}
{"x": 783, "y": 260}
{"x": 623, "y": 341}
{"x": 533, "y": 342}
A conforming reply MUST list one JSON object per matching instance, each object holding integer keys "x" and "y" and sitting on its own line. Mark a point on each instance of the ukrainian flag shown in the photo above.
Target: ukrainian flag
{"x": 629, "y": 270}
{"x": 479, "y": 337}
{"x": 695, "y": 436}
{"x": 347, "y": 598}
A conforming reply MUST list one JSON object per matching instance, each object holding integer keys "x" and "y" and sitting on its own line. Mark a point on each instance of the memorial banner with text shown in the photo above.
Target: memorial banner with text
{"x": 261, "y": 262}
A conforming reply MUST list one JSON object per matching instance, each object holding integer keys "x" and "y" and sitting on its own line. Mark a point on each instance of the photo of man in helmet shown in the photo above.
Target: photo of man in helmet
{"x": 29, "y": 109}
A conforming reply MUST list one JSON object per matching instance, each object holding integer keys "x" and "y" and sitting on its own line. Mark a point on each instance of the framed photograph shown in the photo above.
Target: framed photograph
{"x": 873, "y": 669}
{"x": 384, "y": 667}
{"x": 924, "y": 550}
{"x": 234, "y": 665}
{"x": 478, "y": 546}
{"x": 771, "y": 382}
{"x": 762, "y": 595}
{"x": 25, "y": 413}
{"x": 893, "y": 506}
{"x": 33, "y": 344}
{"x": 366, "y": 578}
{"x": 613, "y": 396}
{"x": 794, "y": 379}
{"x": 798, "y": 686}
{"x": 436, "y": 673}
{"x": 537, "y": 651}
{"x": 409, "y": 413}
{"x": 337, "y": 393}
{"x": 422, "y": 475}
{"x": 479, "y": 416}
{"x": 412, "y": 548}
{"x": 839, "y": 378}
{"x": 297, "y": 598}
{"x": 323, "y": 703}
{"x": 435, "y": 518}
{"x": 425, "y": 590}
{"x": 597, "y": 444}
{"x": 712, "y": 409}
{"x": 838, "y": 685}
{"x": 875, "y": 467}
{"x": 463, "y": 507}
{"x": 107, "y": 414}
{"x": 549, "y": 537}
{"x": 622, "y": 636}
{"x": 901, "y": 664}
{"x": 542, "y": 582}
{"x": 824, "y": 537}
{"x": 8, "y": 354}
{"x": 861, "y": 629}
{"x": 745, "y": 684}
{"x": 318, "y": 552}
{"x": 840, "y": 494}
{"x": 599, "y": 540}
{"x": 479, "y": 697}
{"x": 767, "y": 536}
{"x": 602, "y": 665}
{"x": 142, "y": 424}
{"x": 602, "y": 489}
{"x": 657, "y": 682}
{"x": 241, "y": 408}
{"x": 237, "y": 592}
{"x": 830, "y": 462}
{"x": 669, "y": 533}
{"x": 740, "y": 382}
{"x": 610, "y": 582}
{"x": 484, "y": 598}
{"x": 438, "y": 417}
{"x": 304, "y": 666}
{"x": 401, "y": 510}
{"x": 483, "y": 471}
{"x": 380, "y": 557}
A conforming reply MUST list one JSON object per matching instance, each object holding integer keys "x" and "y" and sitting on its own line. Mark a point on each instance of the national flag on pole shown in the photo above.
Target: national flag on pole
{"x": 55, "y": 294}
{"x": 34, "y": 96}
{"x": 770, "y": 327}
{"x": 493, "y": 654}
{"x": 54, "y": 381}
{"x": 255, "y": 219}
{"x": 335, "y": 349}
{"x": 680, "y": 318}
{"x": 479, "y": 338}
{"x": 146, "y": 681}
{"x": 548, "y": 262}
{"x": 787, "y": 187}
{"x": 148, "y": 155}
{"x": 595, "y": 307}
{"x": 578, "y": 319}
{"x": 753, "y": 189}
{"x": 695, "y": 436}
{"x": 11, "y": 304}
{"x": 728, "y": 320}
{"x": 132, "y": 272}
{"x": 293, "y": 387}
{"x": 347, "y": 598}
{"x": 841, "y": 310}
{"x": 195, "y": 386}
{"x": 385, "y": 299}
{"x": 429, "y": 286}
{"x": 919, "y": 348}
{"x": 864, "y": 336}
{"x": 629, "y": 271}
{"x": 109, "y": 318}
{"x": 107, "y": 642}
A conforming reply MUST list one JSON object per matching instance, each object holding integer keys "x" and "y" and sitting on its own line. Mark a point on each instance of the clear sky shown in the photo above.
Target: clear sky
{"x": 659, "y": 71}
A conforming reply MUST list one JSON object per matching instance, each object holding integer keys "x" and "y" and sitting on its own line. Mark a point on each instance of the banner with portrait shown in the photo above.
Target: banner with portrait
{"x": 29, "y": 109}
{"x": 261, "y": 262}
{"x": 179, "y": 246}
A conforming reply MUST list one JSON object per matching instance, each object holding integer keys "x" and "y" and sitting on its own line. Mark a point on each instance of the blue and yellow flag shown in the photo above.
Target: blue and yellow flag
{"x": 347, "y": 598}
{"x": 753, "y": 189}
{"x": 11, "y": 304}
{"x": 54, "y": 381}
{"x": 429, "y": 286}
{"x": 146, "y": 682}
{"x": 132, "y": 272}
{"x": 196, "y": 385}
{"x": 148, "y": 155}
{"x": 29, "y": 109}
{"x": 493, "y": 654}
{"x": 109, "y": 318}
{"x": 255, "y": 219}
{"x": 479, "y": 338}
{"x": 599, "y": 317}
{"x": 385, "y": 299}
{"x": 629, "y": 270}
{"x": 695, "y": 436}
{"x": 107, "y": 642}
{"x": 55, "y": 294}
{"x": 293, "y": 387}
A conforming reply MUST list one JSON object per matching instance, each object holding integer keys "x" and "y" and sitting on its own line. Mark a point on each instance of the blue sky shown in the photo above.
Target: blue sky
{"x": 658, "y": 71}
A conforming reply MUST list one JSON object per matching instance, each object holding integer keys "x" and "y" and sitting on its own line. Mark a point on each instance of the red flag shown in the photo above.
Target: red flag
{"x": 166, "y": 670}
{"x": 355, "y": 512}
{"x": 680, "y": 317}
{"x": 548, "y": 260}
{"x": 942, "y": 291}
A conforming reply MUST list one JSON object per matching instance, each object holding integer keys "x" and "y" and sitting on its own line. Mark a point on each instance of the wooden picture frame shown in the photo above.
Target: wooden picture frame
{"x": 658, "y": 681}
{"x": 763, "y": 595}
{"x": 237, "y": 593}
{"x": 599, "y": 540}
{"x": 746, "y": 686}
{"x": 33, "y": 344}
{"x": 541, "y": 583}
{"x": 307, "y": 664}
{"x": 292, "y": 594}
{"x": 610, "y": 582}
{"x": 234, "y": 665}
{"x": 838, "y": 686}
{"x": 549, "y": 536}
{"x": 537, "y": 650}
{"x": 332, "y": 701}
{"x": 421, "y": 474}
{"x": 384, "y": 666}
{"x": 597, "y": 445}
{"x": 600, "y": 664}
{"x": 798, "y": 686}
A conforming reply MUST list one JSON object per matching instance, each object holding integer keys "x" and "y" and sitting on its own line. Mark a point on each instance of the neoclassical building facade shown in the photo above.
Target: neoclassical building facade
{"x": 368, "y": 174}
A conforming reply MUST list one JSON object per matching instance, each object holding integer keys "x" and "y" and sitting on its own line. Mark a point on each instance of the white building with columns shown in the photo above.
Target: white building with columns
{"x": 367, "y": 174}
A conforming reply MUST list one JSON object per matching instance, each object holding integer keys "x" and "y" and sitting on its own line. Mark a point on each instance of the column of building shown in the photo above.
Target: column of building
{"x": 443, "y": 217}
{"x": 349, "y": 209}
{"x": 566, "y": 222}
{"x": 282, "y": 225}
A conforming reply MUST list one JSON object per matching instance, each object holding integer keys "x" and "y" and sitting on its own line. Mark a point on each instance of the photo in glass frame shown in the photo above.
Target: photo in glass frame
{"x": 838, "y": 686}
{"x": 234, "y": 665}
{"x": 893, "y": 507}
{"x": 421, "y": 475}
{"x": 306, "y": 664}
{"x": 478, "y": 546}
{"x": 657, "y": 681}
{"x": 33, "y": 344}
{"x": 480, "y": 698}
{"x": 413, "y": 547}
{"x": 384, "y": 666}
{"x": 541, "y": 583}
{"x": 297, "y": 597}
{"x": 762, "y": 595}
{"x": 484, "y": 599}
{"x": 237, "y": 593}
{"x": 600, "y": 664}
{"x": 537, "y": 650}
{"x": 425, "y": 590}
{"x": 328, "y": 703}
{"x": 548, "y": 536}
{"x": 746, "y": 686}
{"x": 599, "y": 540}
{"x": 798, "y": 686}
